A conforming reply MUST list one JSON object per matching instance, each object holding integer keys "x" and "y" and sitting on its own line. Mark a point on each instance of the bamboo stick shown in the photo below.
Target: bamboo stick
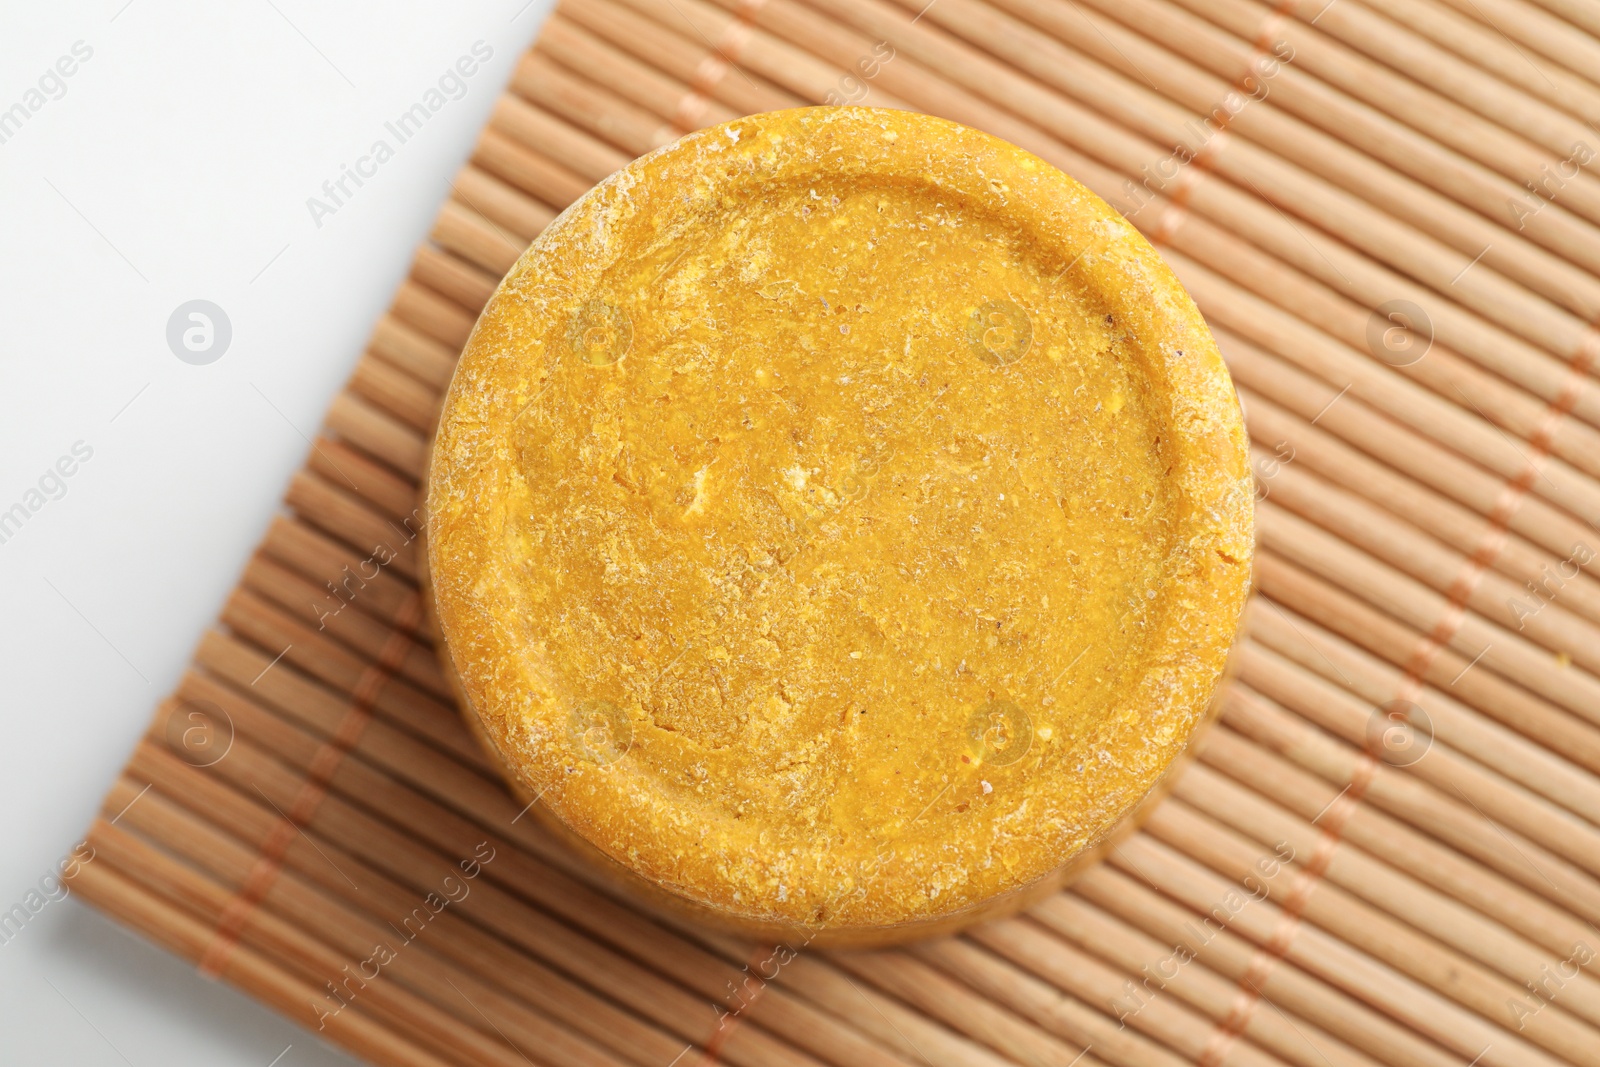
{"x": 321, "y": 558}
{"x": 373, "y": 430}
{"x": 553, "y": 185}
{"x": 620, "y": 124}
{"x": 1449, "y": 375}
{"x": 1182, "y": 1034}
{"x": 475, "y": 226}
{"x": 1393, "y": 39}
{"x": 1543, "y": 33}
{"x": 1394, "y": 444}
{"x": 1329, "y": 706}
{"x": 1257, "y": 717}
{"x": 1482, "y": 46}
{"x": 365, "y": 453}
{"x": 1301, "y": 641}
{"x": 1297, "y": 589}
{"x": 229, "y": 660}
{"x": 1387, "y": 838}
{"x": 1574, "y": 11}
{"x": 463, "y": 232}
{"x": 1284, "y": 184}
{"x": 846, "y": 48}
{"x": 1439, "y": 368}
{"x": 1216, "y": 944}
{"x": 1382, "y": 888}
{"x": 305, "y": 602}
{"x": 1439, "y": 565}
{"x": 511, "y": 206}
{"x": 453, "y": 277}
{"x": 315, "y": 654}
{"x": 1420, "y": 607}
{"x": 683, "y": 58}
{"x": 421, "y": 981}
{"x": 1428, "y": 1012}
{"x": 421, "y": 867}
{"x": 894, "y": 1024}
{"x": 1373, "y": 130}
{"x": 392, "y": 494}
{"x": 774, "y": 59}
{"x": 816, "y": 976}
{"x": 1340, "y": 919}
{"x": 312, "y": 891}
{"x": 539, "y": 129}
{"x": 1512, "y": 153}
{"x": 1134, "y": 952}
{"x": 1396, "y": 39}
{"x": 1058, "y": 1010}
{"x": 274, "y": 938}
{"x": 432, "y": 314}
{"x": 300, "y": 740}
{"x": 574, "y": 47}
{"x": 134, "y": 906}
{"x": 496, "y": 815}
{"x": 346, "y": 517}
{"x": 398, "y": 393}
{"x": 413, "y": 352}
{"x": 1338, "y": 365}
{"x": 944, "y": 998}
{"x": 1283, "y": 438}
{"x": 1448, "y": 197}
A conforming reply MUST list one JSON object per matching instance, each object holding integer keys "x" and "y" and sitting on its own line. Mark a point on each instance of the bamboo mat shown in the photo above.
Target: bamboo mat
{"x": 1389, "y": 850}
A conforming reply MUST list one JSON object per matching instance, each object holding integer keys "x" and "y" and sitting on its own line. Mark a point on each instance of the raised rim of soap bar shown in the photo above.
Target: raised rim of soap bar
{"x": 593, "y": 734}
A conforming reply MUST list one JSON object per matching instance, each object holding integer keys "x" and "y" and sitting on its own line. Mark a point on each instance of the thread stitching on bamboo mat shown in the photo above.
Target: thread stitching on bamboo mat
{"x": 692, "y": 106}
{"x": 1202, "y": 161}
{"x": 730, "y": 1022}
{"x": 269, "y": 861}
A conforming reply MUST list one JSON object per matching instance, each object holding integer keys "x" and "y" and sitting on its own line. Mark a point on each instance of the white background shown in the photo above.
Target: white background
{"x": 176, "y": 166}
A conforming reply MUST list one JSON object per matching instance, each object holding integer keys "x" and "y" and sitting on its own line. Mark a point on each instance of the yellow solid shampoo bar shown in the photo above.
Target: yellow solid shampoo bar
{"x": 839, "y": 520}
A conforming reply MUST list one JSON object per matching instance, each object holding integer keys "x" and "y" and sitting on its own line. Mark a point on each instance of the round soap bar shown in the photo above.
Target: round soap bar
{"x": 839, "y": 520}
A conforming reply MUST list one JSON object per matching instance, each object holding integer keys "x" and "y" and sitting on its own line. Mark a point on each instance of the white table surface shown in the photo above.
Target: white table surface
{"x": 175, "y": 164}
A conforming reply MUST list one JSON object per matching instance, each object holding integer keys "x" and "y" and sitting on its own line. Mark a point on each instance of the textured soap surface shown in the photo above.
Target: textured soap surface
{"x": 839, "y": 518}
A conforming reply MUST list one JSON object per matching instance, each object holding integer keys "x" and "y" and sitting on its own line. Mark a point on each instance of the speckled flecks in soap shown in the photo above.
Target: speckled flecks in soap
{"x": 839, "y": 517}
